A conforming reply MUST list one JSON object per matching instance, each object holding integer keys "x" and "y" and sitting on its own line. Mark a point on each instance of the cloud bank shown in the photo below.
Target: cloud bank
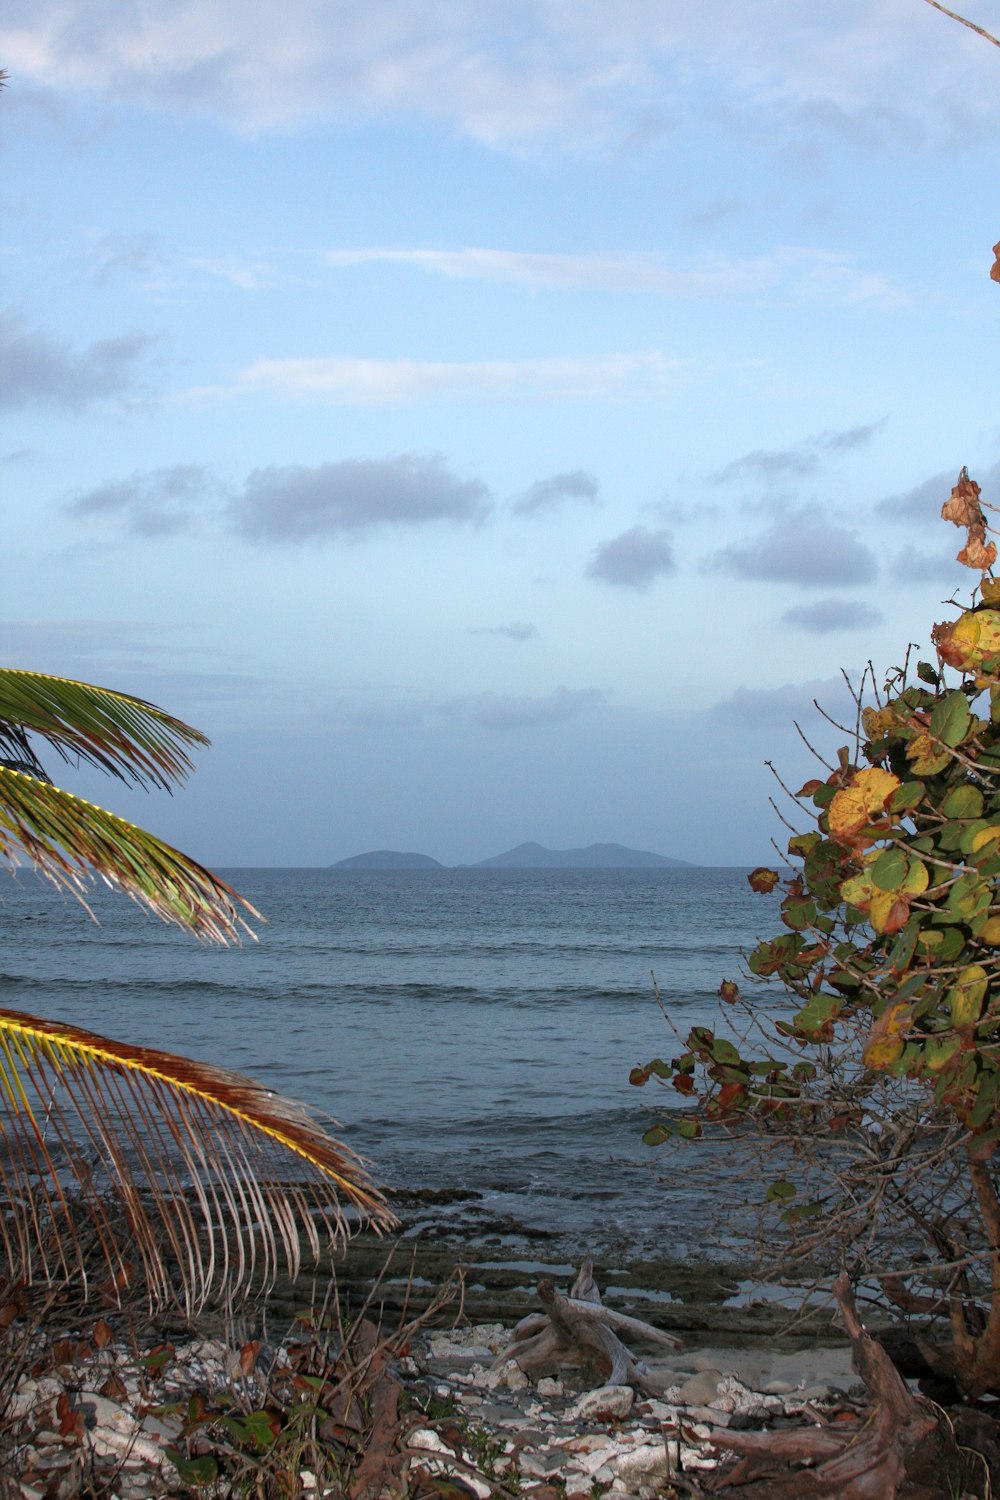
{"x": 586, "y": 77}
{"x": 292, "y": 503}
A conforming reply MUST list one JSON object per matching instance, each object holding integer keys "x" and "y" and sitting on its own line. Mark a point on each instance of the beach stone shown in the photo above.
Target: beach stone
{"x": 547, "y": 1386}
{"x": 701, "y": 1388}
{"x": 608, "y": 1403}
{"x": 649, "y": 1461}
{"x": 778, "y": 1388}
{"x": 816, "y": 1393}
{"x": 713, "y": 1415}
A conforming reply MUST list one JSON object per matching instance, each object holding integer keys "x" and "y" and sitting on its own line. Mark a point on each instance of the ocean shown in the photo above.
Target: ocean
{"x": 471, "y": 1031}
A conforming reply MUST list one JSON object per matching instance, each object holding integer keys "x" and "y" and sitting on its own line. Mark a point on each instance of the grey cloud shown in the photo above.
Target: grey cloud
{"x": 35, "y": 369}
{"x": 291, "y": 503}
{"x": 520, "y": 630}
{"x": 157, "y": 504}
{"x": 913, "y": 566}
{"x": 634, "y": 559}
{"x": 800, "y": 546}
{"x": 546, "y": 494}
{"x": 827, "y": 615}
{"x": 924, "y": 501}
{"x": 770, "y": 708}
{"x": 353, "y": 498}
{"x": 769, "y": 465}
{"x": 497, "y": 711}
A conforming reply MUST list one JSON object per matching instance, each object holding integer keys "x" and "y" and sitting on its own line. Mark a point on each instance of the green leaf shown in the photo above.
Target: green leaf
{"x": 656, "y": 1135}
{"x": 780, "y": 1191}
{"x": 951, "y": 720}
{"x": 203, "y": 1470}
{"x": 907, "y": 796}
{"x": 963, "y": 802}
{"x": 927, "y": 674}
{"x": 801, "y": 1211}
{"x": 690, "y": 1129}
{"x": 889, "y": 870}
{"x": 725, "y": 1052}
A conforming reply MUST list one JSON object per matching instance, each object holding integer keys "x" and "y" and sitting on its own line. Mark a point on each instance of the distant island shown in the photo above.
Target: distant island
{"x": 593, "y": 857}
{"x": 388, "y": 859}
{"x": 525, "y": 857}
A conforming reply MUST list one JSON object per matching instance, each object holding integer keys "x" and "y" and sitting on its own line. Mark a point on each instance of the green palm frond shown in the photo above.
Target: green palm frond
{"x": 70, "y": 841}
{"x": 125, "y": 736}
{"x": 219, "y": 1180}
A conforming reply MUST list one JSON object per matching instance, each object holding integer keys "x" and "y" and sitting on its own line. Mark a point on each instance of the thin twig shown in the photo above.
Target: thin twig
{"x": 962, "y": 21}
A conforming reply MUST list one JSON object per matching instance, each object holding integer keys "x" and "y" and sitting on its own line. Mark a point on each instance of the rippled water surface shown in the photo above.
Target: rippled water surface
{"x": 467, "y": 1028}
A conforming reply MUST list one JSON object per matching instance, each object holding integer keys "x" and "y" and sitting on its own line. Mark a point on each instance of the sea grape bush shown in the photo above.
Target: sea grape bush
{"x": 890, "y": 956}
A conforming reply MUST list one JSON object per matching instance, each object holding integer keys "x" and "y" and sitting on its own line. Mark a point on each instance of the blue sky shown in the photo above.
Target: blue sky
{"x": 489, "y": 421}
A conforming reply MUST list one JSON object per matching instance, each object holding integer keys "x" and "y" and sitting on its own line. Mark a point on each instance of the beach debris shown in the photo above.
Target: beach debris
{"x": 578, "y": 1329}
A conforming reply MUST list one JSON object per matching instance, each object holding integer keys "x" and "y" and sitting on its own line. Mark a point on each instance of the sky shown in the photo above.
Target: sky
{"x": 490, "y": 421}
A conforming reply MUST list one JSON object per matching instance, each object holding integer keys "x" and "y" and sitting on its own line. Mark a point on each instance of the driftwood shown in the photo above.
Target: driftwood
{"x": 579, "y": 1329}
{"x": 904, "y": 1449}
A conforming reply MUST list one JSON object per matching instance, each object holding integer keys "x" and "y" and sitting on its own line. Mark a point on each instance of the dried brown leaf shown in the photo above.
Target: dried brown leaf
{"x": 962, "y": 506}
{"x": 995, "y": 268}
{"x": 978, "y": 553}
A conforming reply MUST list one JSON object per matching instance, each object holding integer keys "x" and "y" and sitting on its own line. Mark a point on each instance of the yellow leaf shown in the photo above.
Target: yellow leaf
{"x": 969, "y": 640}
{"x": 926, "y": 755}
{"x": 985, "y": 836}
{"x": 990, "y": 932}
{"x": 859, "y": 803}
{"x": 965, "y": 999}
{"x": 886, "y": 1039}
{"x": 918, "y": 878}
{"x": 888, "y": 911}
{"x": 857, "y": 891}
{"x": 876, "y": 721}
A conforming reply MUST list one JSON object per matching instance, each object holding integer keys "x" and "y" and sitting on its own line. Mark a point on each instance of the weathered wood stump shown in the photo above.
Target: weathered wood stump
{"x": 579, "y": 1330}
{"x": 904, "y": 1449}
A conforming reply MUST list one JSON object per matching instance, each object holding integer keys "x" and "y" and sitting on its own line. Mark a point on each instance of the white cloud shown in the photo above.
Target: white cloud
{"x": 789, "y": 273}
{"x": 586, "y": 76}
{"x": 359, "y": 382}
{"x": 500, "y": 711}
{"x": 518, "y": 630}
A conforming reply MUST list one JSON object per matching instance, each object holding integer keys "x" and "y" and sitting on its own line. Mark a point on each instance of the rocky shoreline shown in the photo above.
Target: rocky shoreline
{"x": 101, "y": 1413}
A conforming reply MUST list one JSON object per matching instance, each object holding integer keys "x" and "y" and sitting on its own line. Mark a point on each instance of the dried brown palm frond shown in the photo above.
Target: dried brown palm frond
{"x": 222, "y": 1182}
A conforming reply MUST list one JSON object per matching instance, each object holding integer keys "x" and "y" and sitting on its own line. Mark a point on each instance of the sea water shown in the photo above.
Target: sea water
{"x": 468, "y": 1029}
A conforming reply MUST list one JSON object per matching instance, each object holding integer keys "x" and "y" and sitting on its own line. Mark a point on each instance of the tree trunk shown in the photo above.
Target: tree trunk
{"x": 904, "y": 1450}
